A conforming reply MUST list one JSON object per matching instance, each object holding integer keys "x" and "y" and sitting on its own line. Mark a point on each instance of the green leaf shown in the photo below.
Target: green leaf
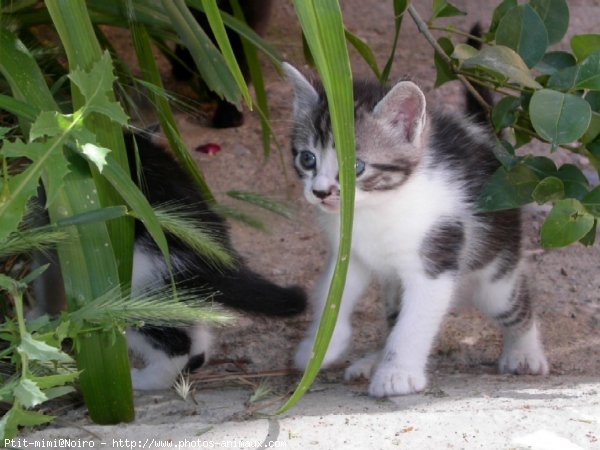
{"x": 399, "y": 9}
{"x": 555, "y": 14}
{"x": 52, "y": 123}
{"x": 96, "y": 85}
{"x": 11, "y": 285}
{"x": 593, "y": 98}
{"x": 40, "y": 351}
{"x": 548, "y": 190}
{"x": 96, "y": 215}
{"x": 584, "y": 45}
{"x": 365, "y": 51}
{"x": 508, "y": 189}
{"x": 552, "y": 62}
{"x": 95, "y": 154}
{"x": 559, "y": 118}
{"x": 500, "y": 12}
{"x": 593, "y": 130}
{"x": 464, "y": 51}
{"x": 16, "y": 417}
{"x": 504, "y": 61}
{"x": 585, "y": 75}
{"x": 218, "y": 29}
{"x": 59, "y": 391}
{"x": 505, "y": 112}
{"x": 443, "y": 8}
{"x": 568, "y": 222}
{"x": 592, "y": 201}
{"x": 590, "y": 238}
{"x": 18, "y": 108}
{"x": 541, "y": 166}
{"x": 522, "y": 30}
{"x": 262, "y": 201}
{"x": 50, "y": 381}
{"x": 575, "y": 182}
{"x": 29, "y": 394}
{"x": 444, "y": 72}
{"x": 20, "y": 188}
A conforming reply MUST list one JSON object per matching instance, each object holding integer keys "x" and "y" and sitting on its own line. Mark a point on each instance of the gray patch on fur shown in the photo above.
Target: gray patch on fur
{"x": 520, "y": 312}
{"x": 441, "y": 248}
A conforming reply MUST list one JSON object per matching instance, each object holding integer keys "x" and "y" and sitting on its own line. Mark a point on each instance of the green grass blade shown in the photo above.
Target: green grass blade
{"x": 151, "y": 75}
{"x": 218, "y": 29}
{"x": 365, "y": 51}
{"x": 208, "y": 59}
{"x": 21, "y": 109}
{"x": 262, "y": 201}
{"x": 258, "y": 81}
{"x": 399, "y": 9}
{"x": 324, "y": 30}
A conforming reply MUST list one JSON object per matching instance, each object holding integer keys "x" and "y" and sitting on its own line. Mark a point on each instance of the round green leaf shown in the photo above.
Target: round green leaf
{"x": 552, "y": 62}
{"x": 566, "y": 223}
{"x": 524, "y": 31}
{"x": 500, "y": 12}
{"x": 505, "y": 112}
{"x": 584, "y": 45}
{"x": 592, "y": 201}
{"x": 555, "y": 15}
{"x": 502, "y": 60}
{"x": 559, "y": 118}
{"x": 549, "y": 189}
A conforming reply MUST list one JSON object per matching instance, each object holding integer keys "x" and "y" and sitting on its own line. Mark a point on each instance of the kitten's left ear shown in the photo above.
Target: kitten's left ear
{"x": 305, "y": 95}
{"x": 403, "y": 108}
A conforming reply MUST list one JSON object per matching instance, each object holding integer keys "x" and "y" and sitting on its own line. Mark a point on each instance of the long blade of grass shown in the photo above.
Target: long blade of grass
{"x": 208, "y": 59}
{"x": 262, "y": 201}
{"x": 25, "y": 111}
{"x": 218, "y": 29}
{"x": 365, "y": 51}
{"x": 151, "y": 75}
{"x": 399, "y": 9}
{"x": 257, "y": 80}
{"x": 323, "y": 27}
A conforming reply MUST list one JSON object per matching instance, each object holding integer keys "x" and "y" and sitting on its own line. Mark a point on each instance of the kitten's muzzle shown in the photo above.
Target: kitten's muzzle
{"x": 322, "y": 194}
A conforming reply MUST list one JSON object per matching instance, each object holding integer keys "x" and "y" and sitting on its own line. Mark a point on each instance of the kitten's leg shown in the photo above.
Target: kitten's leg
{"x": 402, "y": 369}
{"x": 507, "y": 300}
{"x": 391, "y": 291}
{"x": 357, "y": 281}
{"x": 160, "y": 371}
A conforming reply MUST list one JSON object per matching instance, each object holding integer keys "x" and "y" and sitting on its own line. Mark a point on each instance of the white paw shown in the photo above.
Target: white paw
{"x": 153, "y": 377}
{"x": 524, "y": 362}
{"x": 363, "y": 368}
{"x": 390, "y": 380}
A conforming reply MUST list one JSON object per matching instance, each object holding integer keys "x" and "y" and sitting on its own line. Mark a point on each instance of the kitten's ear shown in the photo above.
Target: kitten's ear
{"x": 403, "y": 108}
{"x": 305, "y": 95}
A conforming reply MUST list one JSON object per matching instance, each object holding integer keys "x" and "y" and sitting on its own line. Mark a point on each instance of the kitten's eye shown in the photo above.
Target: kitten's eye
{"x": 360, "y": 166}
{"x": 307, "y": 160}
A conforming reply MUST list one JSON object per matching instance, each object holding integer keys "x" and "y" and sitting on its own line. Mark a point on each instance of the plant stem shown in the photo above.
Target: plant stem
{"x": 456, "y": 31}
{"x": 424, "y": 29}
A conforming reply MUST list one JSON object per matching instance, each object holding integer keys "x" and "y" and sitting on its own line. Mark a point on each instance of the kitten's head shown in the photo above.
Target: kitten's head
{"x": 390, "y": 127}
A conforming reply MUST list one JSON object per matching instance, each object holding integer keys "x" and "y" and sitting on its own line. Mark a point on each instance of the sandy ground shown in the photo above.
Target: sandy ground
{"x": 467, "y": 405}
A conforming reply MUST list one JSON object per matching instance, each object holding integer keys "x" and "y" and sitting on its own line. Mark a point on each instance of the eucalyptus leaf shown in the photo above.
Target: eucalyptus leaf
{"x": 505, "y": 112}
{"x": 508, "y": 189}
{"x": 575, "y": 182}
{"x": 568, "y": 222}
{"x": 504, "y": 61}
{"x": 443, "y": 8}
{"x": 444, "y": 71}
{"x": 555, "y": 15}
{"x": 585, "y": 75}
{"x": 584, "y": 45}
{"x": 500, "y": 12}
{"x": 557, "y": 117}
{"x": 548, "y": 190}
{"x": 522, "y": 30}
{"x": 552, "y": 62}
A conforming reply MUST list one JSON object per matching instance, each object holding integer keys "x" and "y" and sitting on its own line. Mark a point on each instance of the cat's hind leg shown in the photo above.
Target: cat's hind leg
{"x": 505, "y": 297}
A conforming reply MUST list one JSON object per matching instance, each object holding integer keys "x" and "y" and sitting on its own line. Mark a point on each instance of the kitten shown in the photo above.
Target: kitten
{"x": 169, "y": 350}
{"x": 416, "y": 227}
{"x": 256, "y": 13}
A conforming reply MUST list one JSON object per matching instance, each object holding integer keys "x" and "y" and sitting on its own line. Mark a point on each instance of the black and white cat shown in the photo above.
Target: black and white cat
{"x": 416, "y": 227}
{"x": 167, "y": 351}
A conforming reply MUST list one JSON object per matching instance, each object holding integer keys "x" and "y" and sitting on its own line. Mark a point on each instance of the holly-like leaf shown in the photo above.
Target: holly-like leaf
{"x": 96, "y": 85}
{"x": 29, "y": 394}
{"x": 95, "y": 154}
{"x": 50, "y": 381}
{"x": 557, "y": 117}
{"x": 16, "y": 417}
{"x": 14, "y": 197}
{"x": 522, "y": 30}
{"x": 568, "y": 222}
{"x": 38, "y": 350}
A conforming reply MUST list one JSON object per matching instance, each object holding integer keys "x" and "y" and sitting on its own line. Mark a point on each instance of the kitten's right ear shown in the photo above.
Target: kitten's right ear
{"x": 305, "y": 95}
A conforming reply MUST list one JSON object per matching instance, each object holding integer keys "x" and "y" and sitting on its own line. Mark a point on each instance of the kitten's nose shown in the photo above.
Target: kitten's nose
{"x": 321, "y": 194}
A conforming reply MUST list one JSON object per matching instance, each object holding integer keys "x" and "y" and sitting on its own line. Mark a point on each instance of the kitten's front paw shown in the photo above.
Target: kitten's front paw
{"x": 390, "y": 380}
{"x": 523, "y": 362}
{"x": 363, "y": 368}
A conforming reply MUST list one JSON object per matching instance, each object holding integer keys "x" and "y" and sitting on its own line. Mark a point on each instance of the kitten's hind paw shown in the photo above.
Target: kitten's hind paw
{"x": 363, "y": 368}
{"x": 390, "y": 380}
{"x": 524, "y": 363}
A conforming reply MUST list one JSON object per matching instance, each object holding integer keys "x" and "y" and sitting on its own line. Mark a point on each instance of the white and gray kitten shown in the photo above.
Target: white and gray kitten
{"x": 416, "y": 227}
